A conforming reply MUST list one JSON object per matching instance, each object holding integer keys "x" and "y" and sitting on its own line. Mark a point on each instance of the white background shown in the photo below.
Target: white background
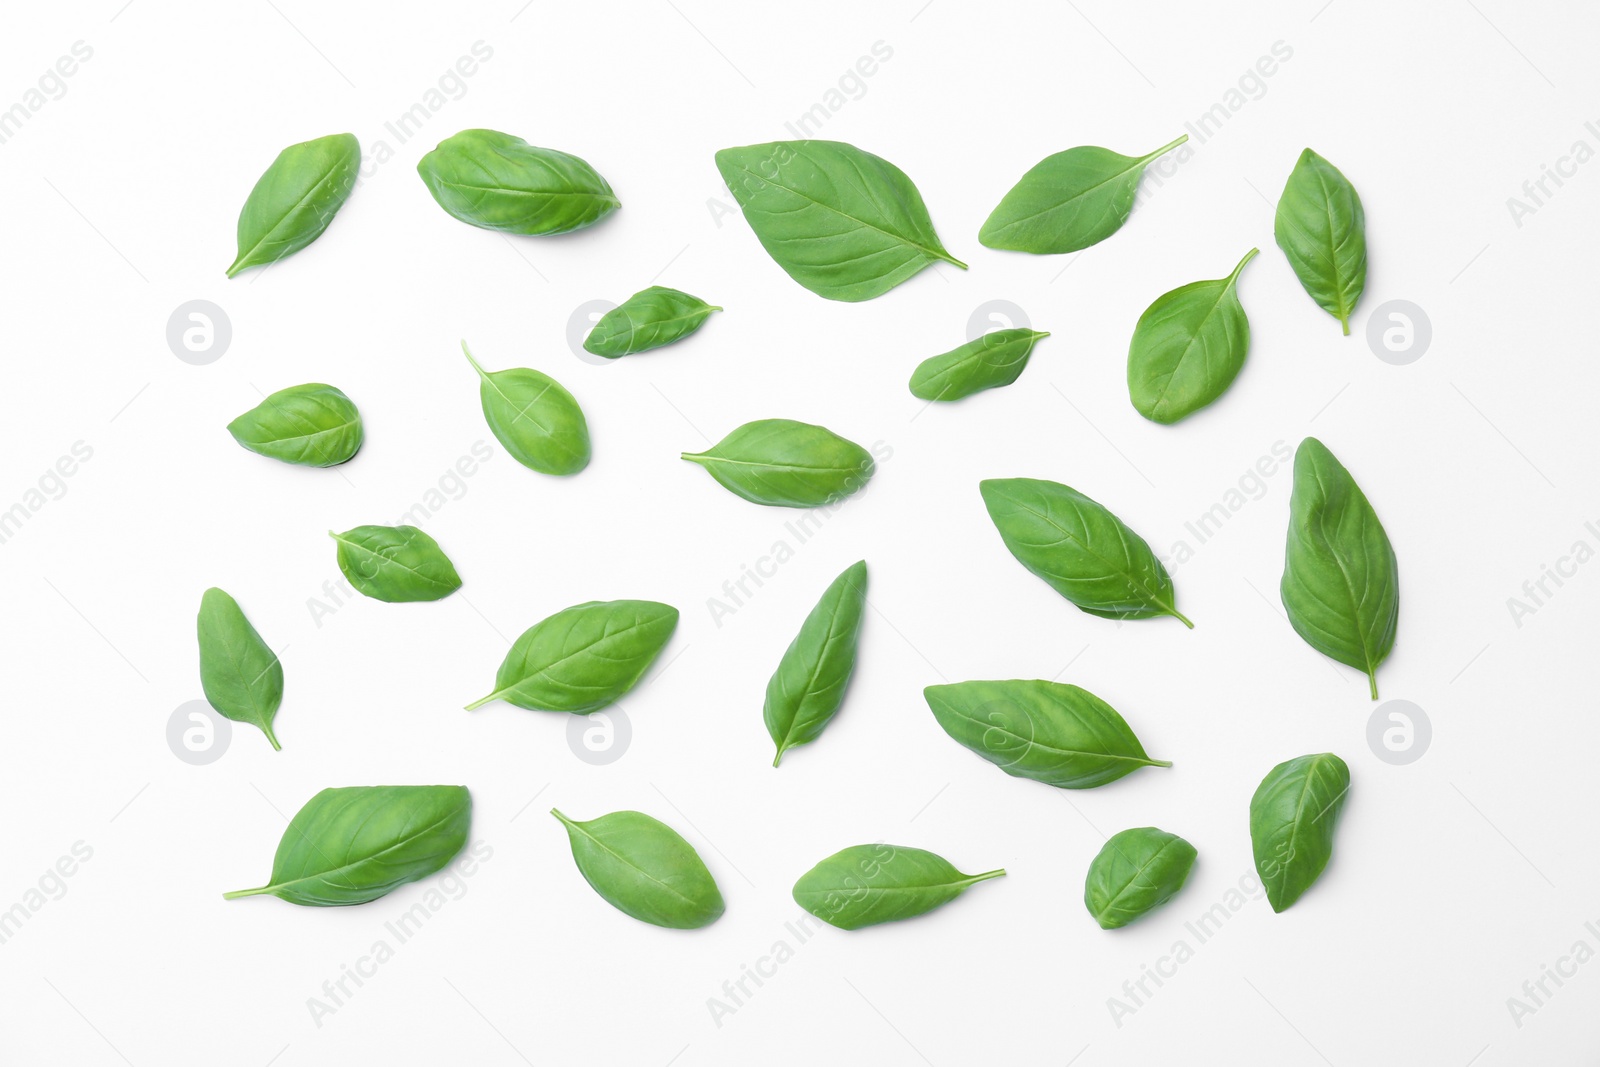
{"x": 1455, "y": 878}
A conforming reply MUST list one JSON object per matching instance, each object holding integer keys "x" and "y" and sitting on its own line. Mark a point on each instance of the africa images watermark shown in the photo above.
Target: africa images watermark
{"x": 51, "y": 85}
{"x": 1552, "y": 177}
{"x": 51, "y": 485}
{"x": 1250, "y": 486}
{"x": 49, "y": 886}
{"x": 1538, "y": 590}
{"x": 450, "y": 85}
{"x": 1536, "y": 992}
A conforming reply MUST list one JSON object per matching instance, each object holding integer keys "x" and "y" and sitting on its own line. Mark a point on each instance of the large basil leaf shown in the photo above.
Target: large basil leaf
{"x": 1188, "y": 348}
{"x": 240, "y": 674}
{"x": 1322, "y": 229}
{"x": 1053, "y": 733}
{"x": 500, "y": 182}
{"x": 648, "y": 319}
{"x": 1080, "y": 549}
{"x": 842, "y": 222}
{"x": 645, "y": 869}
{"x": 583, "y": 658}
{"x": 1341, "y": 582}
{"x": 864, "y": 885}
{"x": 537, "y": 420}
{"x": 398, "y": 564}
{"x": 1069, "y": 201}
{"x": 296, "y": 199}
{"x": 1135, "y": 873}
{"x": 1292, "y": 818}
{"x": 352, "y": 845}
{"x": 990, "y": 361}
{"x": 809, "y": 685}
{"x": 783, "y": 463}
{"x": 313, "y": 425}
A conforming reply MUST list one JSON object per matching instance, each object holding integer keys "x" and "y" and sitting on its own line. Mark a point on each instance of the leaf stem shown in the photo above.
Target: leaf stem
{"x": 1160, "y": 762}
{"x": 266, "y": 728}
{"x": 476, "y": 704}
{"x": 237, "y": 893}
{"x": 475, "y": 366}
{"x": 1164, "y": 149}
{"x": 564, "y": 820}
{"x": 1248, "y": 256}
{"x": 1372, "y": 683}
{"x": 986, "y": 875}
{"x": 1176, "y": 614}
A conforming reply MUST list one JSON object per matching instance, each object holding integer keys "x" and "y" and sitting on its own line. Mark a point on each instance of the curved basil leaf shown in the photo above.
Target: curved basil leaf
{"x": 1341, "y": 582}
{"x": 313, "y": 425}
{"x": 650, "y": 318}
{"x": 296, "y": 199}
{"x": 1322, "y": 229}
{"x": 1135, "y": 873}
{"x": 498, "y": 182}
{"x": 352, "y": 845}
{"x": 783, "y": 463}
{"x": 645, "y": 869}
{"x": 993, "y": 360}
{"x": 1068, "y": 201}
{"x": 538, "y": 421}
{"x": 1053, "y": 733}
{"x": 1292, "y": 818}
{"x": 397, "y": 564}
{"x": 842, "y": 222}
{"x": 1080, "y": 549}
{"x": 240, "y": 675}
{"x": 583, "y": 658}
{"x": 1188, "y": 348}
{"x": 864, "y": 885}
{"x": 809, "y": 685}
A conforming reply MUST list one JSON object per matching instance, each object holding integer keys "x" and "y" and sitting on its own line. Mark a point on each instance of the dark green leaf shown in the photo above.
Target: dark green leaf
{"x": 993, "y": 360}
{"x": 784, "y": 463}
{"x": 1135, "y": 873}
{"x": 312, "y": 425}
{"x": 1322, "y": 229}
{"x": 645, "y": 869}
{"x": 537, "y": 420}
{"x": 1188, "y": 348}
{"x": 809, "y": 685}
{"x": 397, "y": 564}
{"x": 648, "y": 319}
{"x": 864, "y": 885}
{"x": 499, "y": 182}
{"x": 240, "y": 674}
{"x": 1292, "y": 818}
{"x": 296, "y": 199}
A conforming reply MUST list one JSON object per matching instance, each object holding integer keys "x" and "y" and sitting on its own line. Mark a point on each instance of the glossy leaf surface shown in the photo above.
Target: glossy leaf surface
{"x": 499, "y": 182}
{"x": 995, "y": 359}
{"x": 864, "y": 885}
{"x": 1188, "y": 348}
{"x": 650, "y": 318}
{"x": 783, "y": 463}
{"x": 809, "y": 685}
{"x": 1135, "y": 873}
{"x": 397, "y": 564}
{"x": 295, "y": 200}
{"x": 240, "y": 674}
{"x": 1322, "y": 229}
{"x": 1292, "y": 818}
{"x": 537, "y": 420}
{"x": 644, "y": 868}
{"x": 312, "y": 425}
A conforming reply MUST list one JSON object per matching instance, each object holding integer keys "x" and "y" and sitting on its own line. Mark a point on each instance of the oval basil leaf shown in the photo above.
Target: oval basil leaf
{"x": 645, "y": 869}
{"x": 538, "y": 421}
{"x": 296, "y": 199}
{"x": 842, "y": 222}
{"x": 499, "y": 182}
{"x": 993, "y": 360}
{"x": 864, "y": 885}
{"x": 397, "y": 564}
{"x": 783, "y": 463}
{"x": 1053, "y": 733}
{"x": 583, "y": 658}
{"x": 1341, "y": 582}
{"x": 809, "y": 685}
{"x": 1292, "y": 818}
{"x": 352, "y": 845}
{"x": 1068, "y": 201}
{"x": 1188, "y": 348}
{"x": 1322, "y": 229}
{"x": 1080, "y": 549}
{"x": 313, "y": 425}
{"x": 650, "y": 318}
{"x": 240, "y": 674}
{"x": 1135, "y": 873}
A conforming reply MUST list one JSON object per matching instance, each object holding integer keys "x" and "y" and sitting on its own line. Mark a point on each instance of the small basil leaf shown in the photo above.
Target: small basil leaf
{"x": 352, "y": 845}
{"x": 1322, "y": 229}
{"x": 788, "y": 464}
{"x": 499, "y": 182}
{"x": 537, "y": 420}
{"x": 842, "y": 222}
{"x": 1188, "y": 348}
{"x": 1135, "y": 873}
{"x": 1341, "y": 582}
{"x": 1053, "y": 733}
{"x": 650, "y": 318}
{"x": 993, "y": 360}
{"x": 397, "y": 564}
{"x": 583, "y": 658}
{"x": 1080, "y": 549}
{"x": 645, "y": 869}
{"x": 809, "y": 685}
{"x": 313, "y": 425}
{"x": 1292, "y": 818}
{"x": 296, "y": 199}
{"x": 1068, "y": 201}
{"x": 240, "y": 674}
{"x": 864, "y": 885}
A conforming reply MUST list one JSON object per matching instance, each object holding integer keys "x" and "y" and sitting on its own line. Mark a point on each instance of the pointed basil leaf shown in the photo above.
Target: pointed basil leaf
{"x": 783, "y": 463}
{"x": 397, "y": 564}
{"x": 990, "y": 361}
{"x": 313, "y": 425}
{"x": 240, "y": 674}
{"x": 809, "y": 685}
{"x": 1292, "y": 818}
{"x": 1188, "y": 348}
{"x": 499, "y": 182}
{"x": 296, "y": 199}
{"x": 645, "y": 869}
{"x": 1322, "y": 229}
{"x": 537, "y": 420}
{"x": 1135, "y": 873}
{"x": 650, "y": 318}
{"x": 864, "y": 885}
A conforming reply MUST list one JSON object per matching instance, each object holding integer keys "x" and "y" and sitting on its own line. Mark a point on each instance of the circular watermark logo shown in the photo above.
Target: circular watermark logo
{"x": 581, "y": 321}
{"x": 996, "y": 315}
{"x": 600, "y": 737}
{"x": 197, "y": 734}
{"x": 1399, "y": 332}
{"x": 199, "y": 332}
{"x": 1399, "y": 732}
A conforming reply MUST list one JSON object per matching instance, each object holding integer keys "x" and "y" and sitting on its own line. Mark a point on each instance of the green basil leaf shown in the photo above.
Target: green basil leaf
{"x": 296, "y": 199}
{"x": 538, "y": 421}
{"x": 1053, "y": 733}
{"x": 1341, "y": 582}
{"x": 313, "y": 425}
{"x": 650, "y": 318}
{"x": 1292, "y": 818}
{"x": 1135, "y": 873}
{"x": 1322, "y": 229}
{"x": 499, "y": 182}
{"x": 240, "y": 674}
{"x": 783, "y": 463}
{"x": 583, "y": 658}
{"x": 1188, "y": 348}
{"x": 352, "y": 845}
{"x": 993, "y": 360}
{"x": 1068, "y": 201}
{"x": 645, "y": 869}
{"x": 842, "y": 222}
{"x": 809, "y": 685}
{"x": 864, "y": 885}
{"x": 397, "y": 564}
{"x": 1080, "y": 549}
